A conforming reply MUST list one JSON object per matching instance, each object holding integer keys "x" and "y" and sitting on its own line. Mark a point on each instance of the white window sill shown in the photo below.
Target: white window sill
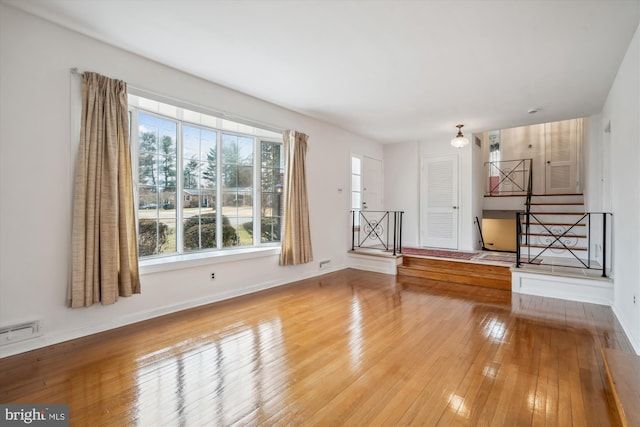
{"x": 178, "y": 262}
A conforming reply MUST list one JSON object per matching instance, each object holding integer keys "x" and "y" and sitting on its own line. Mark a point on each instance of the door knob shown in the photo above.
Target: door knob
{"x": 455, "y": 207}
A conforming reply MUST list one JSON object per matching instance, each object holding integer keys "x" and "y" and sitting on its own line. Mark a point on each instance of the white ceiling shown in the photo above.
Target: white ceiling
{"x": 392, "y": 71}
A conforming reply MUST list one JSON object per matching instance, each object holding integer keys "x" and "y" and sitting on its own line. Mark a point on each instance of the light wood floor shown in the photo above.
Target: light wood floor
{"x": 348, "y": 348}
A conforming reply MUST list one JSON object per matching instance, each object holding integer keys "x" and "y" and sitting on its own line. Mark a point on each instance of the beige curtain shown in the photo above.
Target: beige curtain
{"x": 104, "y": 261}
{"x": 296, "y": 239}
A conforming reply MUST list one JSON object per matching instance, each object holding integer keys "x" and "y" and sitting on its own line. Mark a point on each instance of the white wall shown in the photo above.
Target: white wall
{"x": 402, "y": 187}
{"x": 467, "y": 238}
{"x": 478, "y": 184}
{"x": 592, "y": 152}
{"x": 36, "y": 154}
{"x": 622, "y": 109}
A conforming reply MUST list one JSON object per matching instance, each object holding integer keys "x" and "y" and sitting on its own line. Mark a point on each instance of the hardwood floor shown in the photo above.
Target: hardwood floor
{"x": 347, "y": 348}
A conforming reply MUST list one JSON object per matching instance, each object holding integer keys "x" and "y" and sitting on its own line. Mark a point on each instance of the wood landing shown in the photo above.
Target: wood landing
{"x": 464, "y": 273}
{"x": 623, "y": 371}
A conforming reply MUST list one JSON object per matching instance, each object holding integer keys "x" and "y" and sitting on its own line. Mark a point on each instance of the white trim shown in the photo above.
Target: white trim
{"x": 594, "y": 291}
{"x": 178, "y": 262}
{"x": 378, "y": 264}
{"x": 126, "y": 320}
{"x": 634, "y": 343}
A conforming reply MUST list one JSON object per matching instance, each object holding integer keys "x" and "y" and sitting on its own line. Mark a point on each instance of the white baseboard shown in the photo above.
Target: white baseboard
{"x": 102, "y": 326}
{"x": 634, "y": 343}
{"x": 594, "y": 291}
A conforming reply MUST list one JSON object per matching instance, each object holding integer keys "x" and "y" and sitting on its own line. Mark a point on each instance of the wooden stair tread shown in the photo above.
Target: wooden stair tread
{"x": 557, "y": 204}
{"x": 556, "y": 223}
{"x": 556, "y": 195}
{"x": 623, "y": 371}
{"x": 554, "y": 235}
{"x": 557, "y": 213}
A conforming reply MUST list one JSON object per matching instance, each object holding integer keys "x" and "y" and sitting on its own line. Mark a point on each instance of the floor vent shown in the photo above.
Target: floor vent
{"x": 19, "y": 332}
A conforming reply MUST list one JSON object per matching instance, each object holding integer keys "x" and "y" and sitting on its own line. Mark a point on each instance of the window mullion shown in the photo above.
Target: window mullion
{"x": 179, "y": 191}
{"x": 134, "y": 153}
{"x": 257, "y": 191}
{"x": 219, "y": 189}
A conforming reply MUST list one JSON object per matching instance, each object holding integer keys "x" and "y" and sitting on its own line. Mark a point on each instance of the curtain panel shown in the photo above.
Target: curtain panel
{"x": 104, "y": 263}
{"x": 296, "y": 239}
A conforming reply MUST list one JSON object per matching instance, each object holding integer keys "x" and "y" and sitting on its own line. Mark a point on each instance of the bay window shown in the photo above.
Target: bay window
{"x": 203, "y": 183}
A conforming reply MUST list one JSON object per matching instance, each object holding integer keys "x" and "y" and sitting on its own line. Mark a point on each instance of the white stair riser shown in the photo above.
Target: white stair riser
{"x": 555, "y": 253}
{"x": 573, "y": 198}
{"x": 558, "y": 208}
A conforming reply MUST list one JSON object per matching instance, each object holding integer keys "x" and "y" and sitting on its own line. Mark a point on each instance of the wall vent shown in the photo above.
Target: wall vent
{"x": 19, "y": 332}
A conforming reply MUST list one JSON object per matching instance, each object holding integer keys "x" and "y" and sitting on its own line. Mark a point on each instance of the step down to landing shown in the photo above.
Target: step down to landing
{"x": 623, "y": 371}
{"x": 465, "y": 273}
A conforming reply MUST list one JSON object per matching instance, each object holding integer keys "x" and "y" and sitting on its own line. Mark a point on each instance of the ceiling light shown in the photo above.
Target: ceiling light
{"x": 459, "y": 141}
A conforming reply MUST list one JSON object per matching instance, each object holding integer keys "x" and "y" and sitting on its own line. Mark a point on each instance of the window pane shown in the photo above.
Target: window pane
{"x": 199, "y": 215}
{"x": 199, "y": 231}
{"x": 245, "y": 151}
{"x": 157, "y": 168}
{"x": 149, "y": 240}
{"x": 191, "y": 173}
{"x": 198, "y": 143}
{"x": 355, "y": 182}
{"x": 237, "y": 187}
{"x": 355, "y": 200}
{"x": 272, "y": 178}
{"x": 355, "y": 165}
{"x": 147, "y": 201}
{"x": 229, "y": 149}
{"x": 167, "y": 171}
{"x": 167, "y": 215}
{"x": 245, "y": 178}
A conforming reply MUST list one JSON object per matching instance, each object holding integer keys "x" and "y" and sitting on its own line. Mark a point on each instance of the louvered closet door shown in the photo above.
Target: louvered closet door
{"x": 439, "y": 202}
{"x": 561, "y": 148}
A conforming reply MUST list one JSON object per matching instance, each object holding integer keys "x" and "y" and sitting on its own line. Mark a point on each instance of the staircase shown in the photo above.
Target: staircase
{"x": 558, "y": 227}
{"x": 464, "y": 273}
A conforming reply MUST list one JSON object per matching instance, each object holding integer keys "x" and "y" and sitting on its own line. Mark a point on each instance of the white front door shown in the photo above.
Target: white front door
{"x": 366, "y": 200}
{"x": 439, "y": 202}
{"x": 371, "y": 184}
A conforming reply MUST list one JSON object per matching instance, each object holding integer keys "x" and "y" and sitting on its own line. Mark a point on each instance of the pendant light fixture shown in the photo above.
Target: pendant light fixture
{"x": 459, "y": 141}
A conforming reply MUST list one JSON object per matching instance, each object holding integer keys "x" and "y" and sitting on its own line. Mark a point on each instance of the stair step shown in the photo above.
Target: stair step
{"x": 623, "y": 372}
{"x": 554, "y": 235}
{"x": 564, "y": 224}
{"x": 465, "y": 273}
{"x": 554, "y": 247}
{"x": 557, "y": 213}
{"x": 557, "y": 204}
{"x": 556, "y": 195}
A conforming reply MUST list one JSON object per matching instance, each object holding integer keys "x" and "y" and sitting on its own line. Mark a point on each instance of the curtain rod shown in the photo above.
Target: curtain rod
{"x": 199, "y": 108}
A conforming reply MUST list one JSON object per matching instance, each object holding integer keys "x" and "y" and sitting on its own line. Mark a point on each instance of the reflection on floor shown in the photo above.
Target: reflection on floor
{"x": 346, "y": 348}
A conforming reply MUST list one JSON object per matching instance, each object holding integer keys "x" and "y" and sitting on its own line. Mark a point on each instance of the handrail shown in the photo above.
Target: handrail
{"x": 563, "y": 239}
{"x": 528, "y": 202}
{"x": 512, "y": 173}
{"x": 377, "y": 230}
